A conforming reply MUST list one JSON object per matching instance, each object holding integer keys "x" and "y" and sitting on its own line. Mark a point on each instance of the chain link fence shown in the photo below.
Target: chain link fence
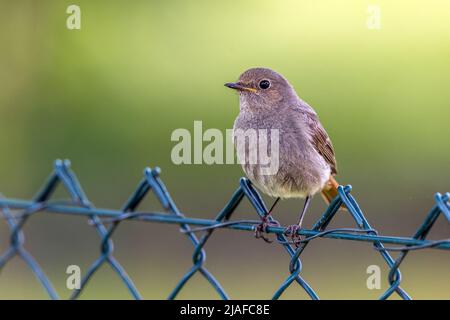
{"x": 17, "y": 213}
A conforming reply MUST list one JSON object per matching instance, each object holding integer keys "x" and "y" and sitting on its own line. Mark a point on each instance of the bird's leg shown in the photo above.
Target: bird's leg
{"x": 265, "y": 222}
{"x": 292, "y": 229}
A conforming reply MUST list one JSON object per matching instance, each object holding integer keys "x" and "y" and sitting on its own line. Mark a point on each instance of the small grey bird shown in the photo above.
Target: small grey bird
{"x": 307, "y": 162}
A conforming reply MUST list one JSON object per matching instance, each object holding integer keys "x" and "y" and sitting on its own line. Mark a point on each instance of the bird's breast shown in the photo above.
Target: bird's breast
{"x": 278, "y": 157}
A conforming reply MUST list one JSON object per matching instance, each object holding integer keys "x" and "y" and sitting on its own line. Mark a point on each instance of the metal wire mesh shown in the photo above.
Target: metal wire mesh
{"x": 105, "y": 221}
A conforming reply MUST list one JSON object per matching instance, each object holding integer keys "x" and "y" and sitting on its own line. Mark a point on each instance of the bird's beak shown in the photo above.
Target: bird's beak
{"x": 238, "y": 86}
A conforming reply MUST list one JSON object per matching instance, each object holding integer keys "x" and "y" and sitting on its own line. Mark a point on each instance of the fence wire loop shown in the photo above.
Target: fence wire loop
{"x": 17, "y": 213}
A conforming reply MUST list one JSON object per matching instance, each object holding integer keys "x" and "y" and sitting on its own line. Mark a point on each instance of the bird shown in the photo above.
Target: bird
{"x": 306, "y": 158}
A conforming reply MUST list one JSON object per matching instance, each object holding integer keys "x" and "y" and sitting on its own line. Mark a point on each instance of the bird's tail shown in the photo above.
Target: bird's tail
{"x": 330, "y": 191}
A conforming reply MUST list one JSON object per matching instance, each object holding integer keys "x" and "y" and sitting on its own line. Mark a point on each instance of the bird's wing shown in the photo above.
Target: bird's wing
{"x": 321, "y": 141}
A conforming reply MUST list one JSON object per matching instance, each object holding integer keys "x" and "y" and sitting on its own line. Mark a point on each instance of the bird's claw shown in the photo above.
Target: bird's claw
{"x": 262, "y": 228}
{"x": 291, "y": 232}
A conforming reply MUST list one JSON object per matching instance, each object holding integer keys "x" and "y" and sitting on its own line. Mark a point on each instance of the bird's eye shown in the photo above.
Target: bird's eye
{"x": 264, "y": 84}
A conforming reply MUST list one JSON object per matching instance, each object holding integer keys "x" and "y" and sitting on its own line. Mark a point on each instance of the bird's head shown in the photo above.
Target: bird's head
{"x": 261, "y": 88}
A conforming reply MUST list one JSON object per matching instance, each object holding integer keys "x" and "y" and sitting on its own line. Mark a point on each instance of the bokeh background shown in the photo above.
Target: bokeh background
{"x": 108, "y": 97}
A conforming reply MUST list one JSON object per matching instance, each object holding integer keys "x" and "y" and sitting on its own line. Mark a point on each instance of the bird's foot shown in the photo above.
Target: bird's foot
{"x": 291, "y": 232}
{"x": 262, "y": 227}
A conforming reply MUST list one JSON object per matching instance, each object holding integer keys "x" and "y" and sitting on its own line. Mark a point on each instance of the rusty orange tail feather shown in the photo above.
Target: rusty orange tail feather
{"x": 330, "y": 191}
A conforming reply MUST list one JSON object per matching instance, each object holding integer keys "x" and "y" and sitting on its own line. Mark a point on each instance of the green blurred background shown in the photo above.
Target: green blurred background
{"x": 108, "y": 97}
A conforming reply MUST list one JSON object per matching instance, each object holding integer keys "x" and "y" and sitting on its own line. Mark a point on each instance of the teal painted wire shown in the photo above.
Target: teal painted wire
{"x": 79, "y": 205}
